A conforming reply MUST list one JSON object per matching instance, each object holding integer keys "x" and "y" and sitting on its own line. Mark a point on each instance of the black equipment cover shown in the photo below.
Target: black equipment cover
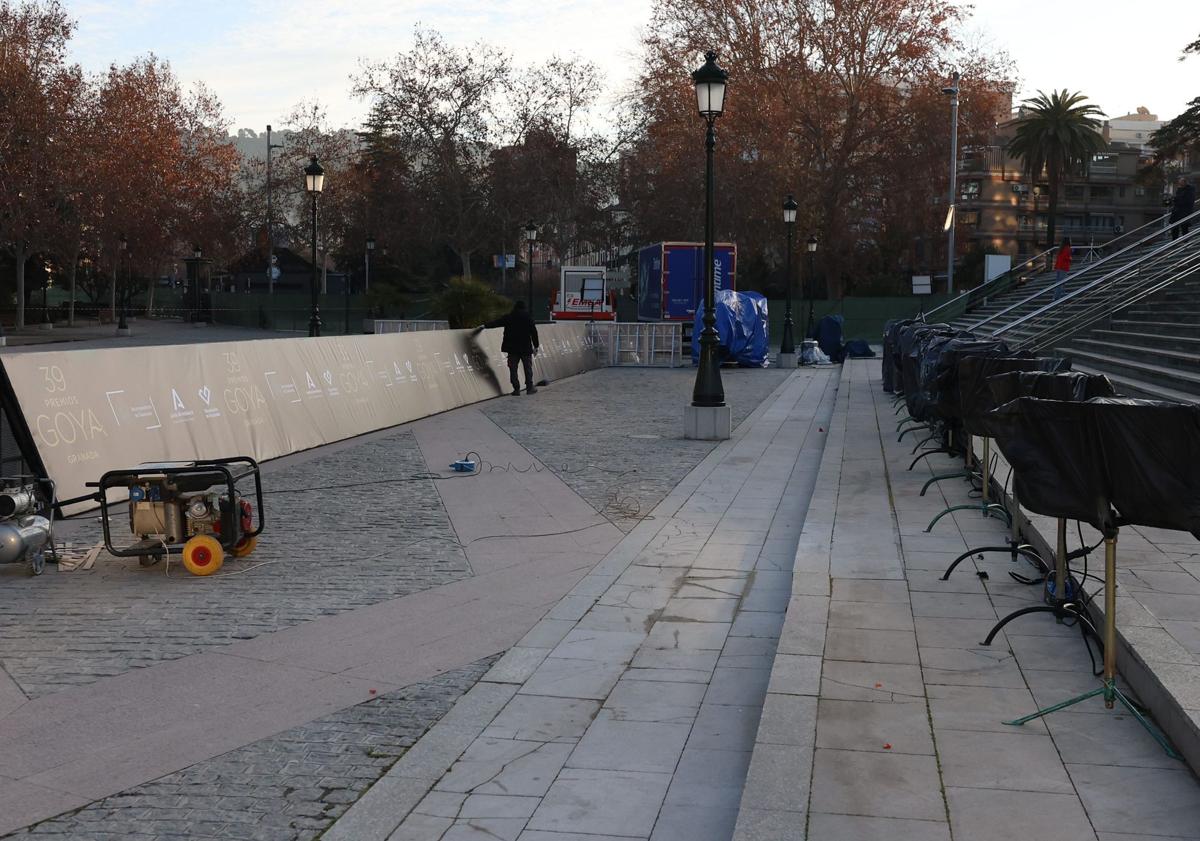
{"x": 891, "y": 368}
{"x": 974, "y": 392}
{"x": 943, "y": 363}
{"x": 1072, "y": 386}
{"x": 1151, "y": 454}
{"x": 913, "y": 340}
{"x": 1054, "y": 452}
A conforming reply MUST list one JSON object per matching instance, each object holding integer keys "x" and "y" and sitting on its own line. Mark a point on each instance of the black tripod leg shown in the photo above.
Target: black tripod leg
{"x": 923, "y": 443}
{"x": 1027, "y": 551}
{"x": 1061, "y": 612}
{"x": 929, "y": 453}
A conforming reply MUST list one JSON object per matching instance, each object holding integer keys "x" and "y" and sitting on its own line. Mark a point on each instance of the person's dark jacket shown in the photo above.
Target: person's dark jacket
{"x": 520, "y": 333}
{"x": 1184, "y": 204}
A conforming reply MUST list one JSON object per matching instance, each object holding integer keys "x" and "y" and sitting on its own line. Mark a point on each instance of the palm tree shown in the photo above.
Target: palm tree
{"x": 1056, "y": 133}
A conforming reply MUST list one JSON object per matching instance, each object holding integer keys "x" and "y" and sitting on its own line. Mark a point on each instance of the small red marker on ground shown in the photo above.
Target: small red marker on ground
{"x": 879, "y": 686}
{"x": 887, "y": 745}
{"x": 372, "y": 691}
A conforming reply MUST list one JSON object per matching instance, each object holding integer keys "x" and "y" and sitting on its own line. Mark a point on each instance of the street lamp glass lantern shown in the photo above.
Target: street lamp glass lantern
{"x": 123, "y": 243}
{"x": 789, "y": 210}
{"x": 710, "y": 86}
{"x": 314, "y": 177}
{"x": 531, "y": 232}
{"x": 370, "y": 243}
{"x": 812, "y": 245}
{"x": 196, "y": 252}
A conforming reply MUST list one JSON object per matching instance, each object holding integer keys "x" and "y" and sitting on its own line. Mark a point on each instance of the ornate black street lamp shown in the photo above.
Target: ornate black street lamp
{"x": 710, "y": 99}
{"x": 812, "y": 275}
{"x": 314, "y": 182}
{"x": 531, "y": 235}
{"x": 788, "y": 344}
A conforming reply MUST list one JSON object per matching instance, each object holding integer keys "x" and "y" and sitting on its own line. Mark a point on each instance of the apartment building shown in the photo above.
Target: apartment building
{"x": 1002, "y": 210}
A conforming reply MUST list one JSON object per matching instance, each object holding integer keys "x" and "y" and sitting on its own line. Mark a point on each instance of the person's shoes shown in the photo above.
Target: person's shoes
{"x": 531, "y": 390}
{"x": 516, "y": 392}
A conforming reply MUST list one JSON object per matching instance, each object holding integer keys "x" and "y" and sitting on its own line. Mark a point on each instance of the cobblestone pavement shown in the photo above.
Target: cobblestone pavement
{"x": 613, "y": 435}
{"x": 616, "y": 435}
{"x": 325, "y": 552}
{"x": 290, "y": 787}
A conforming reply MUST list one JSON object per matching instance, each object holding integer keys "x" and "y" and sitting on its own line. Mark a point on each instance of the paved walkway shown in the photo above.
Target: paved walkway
{"x": 630, "y": 710}
{"x": 900, "y": 737}
{"x": 270, "y": 660}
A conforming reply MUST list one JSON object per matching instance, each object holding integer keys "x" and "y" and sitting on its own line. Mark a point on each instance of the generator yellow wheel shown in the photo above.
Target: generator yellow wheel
{"x": 203, "y": 555}
{"x": 244, "y": 547}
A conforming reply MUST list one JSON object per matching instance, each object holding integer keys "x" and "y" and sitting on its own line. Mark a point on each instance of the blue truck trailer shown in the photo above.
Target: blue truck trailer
{"x": 671, "y": 278}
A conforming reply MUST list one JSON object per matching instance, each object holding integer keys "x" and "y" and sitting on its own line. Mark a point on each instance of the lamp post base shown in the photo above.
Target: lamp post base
{"x": 123, "y": 331}
{"x": 707, "y": 423}
{"x": 788, "y": 360}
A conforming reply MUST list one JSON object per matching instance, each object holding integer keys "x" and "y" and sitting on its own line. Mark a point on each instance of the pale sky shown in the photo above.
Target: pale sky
{"x": 261, "y": 57}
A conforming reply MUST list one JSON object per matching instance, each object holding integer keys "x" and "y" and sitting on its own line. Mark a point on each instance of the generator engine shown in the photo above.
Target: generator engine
{"x": 199, "y": 509}
{"x": 25, "y": 528}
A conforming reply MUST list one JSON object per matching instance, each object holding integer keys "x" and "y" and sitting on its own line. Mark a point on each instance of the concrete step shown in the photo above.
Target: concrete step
{"x": 1186, "y": 360}
{"x": 1148, "y": 375}
{"x": 1132, "y": 387}
{"x": 1137, "y": 335}
{"x": 1183, "y": 327}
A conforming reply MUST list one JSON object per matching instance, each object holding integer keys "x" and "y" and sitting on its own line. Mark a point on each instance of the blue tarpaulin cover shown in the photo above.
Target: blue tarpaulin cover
{"x": 741, "y": 326}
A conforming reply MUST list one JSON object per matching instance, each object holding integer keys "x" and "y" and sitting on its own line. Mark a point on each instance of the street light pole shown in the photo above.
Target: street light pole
{"x": 812, "y": 274}
{"x": 122, "y": 325}
{"x": 951, "y": 91}
{"x": 710, "y": 83}
{"x": 314, "y": 182}
{"x": 531, "y": 234}
{"x": 270, "y": 220}
{"x": 197, "y": 255}
{"x": 788, "y": 344}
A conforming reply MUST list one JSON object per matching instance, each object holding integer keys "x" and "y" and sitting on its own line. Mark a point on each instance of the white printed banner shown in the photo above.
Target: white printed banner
{"x": 97, "y": 410}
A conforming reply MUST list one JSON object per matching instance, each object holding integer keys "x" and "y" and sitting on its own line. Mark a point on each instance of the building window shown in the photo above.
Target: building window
{"x": 1073, "y": 192}
{"x": 1121, "y": 191}
{"x": 970, "y": 190}
{"x": 1102, "y": 191}
{"x": 1139, "y": 191}
{"x": 969, "y": 217}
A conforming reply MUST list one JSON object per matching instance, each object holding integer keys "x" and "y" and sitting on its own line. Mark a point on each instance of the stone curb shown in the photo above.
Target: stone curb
{"x": 775, "y": 797}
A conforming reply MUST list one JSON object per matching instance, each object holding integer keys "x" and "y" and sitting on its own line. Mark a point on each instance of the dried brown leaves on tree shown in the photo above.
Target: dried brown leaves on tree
{"x": 838, "y": 102}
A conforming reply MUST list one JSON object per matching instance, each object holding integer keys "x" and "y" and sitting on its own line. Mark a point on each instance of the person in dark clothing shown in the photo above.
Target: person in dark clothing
{"x": 519, "y": 342}
{"x": 1182, "y": 207}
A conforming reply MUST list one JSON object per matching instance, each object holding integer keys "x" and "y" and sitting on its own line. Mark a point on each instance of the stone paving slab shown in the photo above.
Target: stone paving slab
{"x": 640, "y": 699}
{"x": 907, "y": 739}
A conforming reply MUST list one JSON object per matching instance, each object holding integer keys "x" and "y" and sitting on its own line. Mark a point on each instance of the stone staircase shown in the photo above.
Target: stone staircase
{"x": 1148, "y": 349}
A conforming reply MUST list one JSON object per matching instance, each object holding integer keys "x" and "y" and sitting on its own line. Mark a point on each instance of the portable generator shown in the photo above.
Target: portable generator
{"x": 200, "y": 510}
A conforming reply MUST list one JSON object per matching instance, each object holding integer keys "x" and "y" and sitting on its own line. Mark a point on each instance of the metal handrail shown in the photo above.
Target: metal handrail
{"x": 987, "y": 287}
{"x": 999, "y": 284}
{"x": 1091, "y": 266}
{"x": 1104, "y": 308}
{"x": 1134, "y": 266}
{"x": 1148, "y": 285}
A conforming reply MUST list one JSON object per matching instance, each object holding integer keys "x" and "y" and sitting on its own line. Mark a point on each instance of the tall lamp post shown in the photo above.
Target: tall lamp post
{"x": 122, "y": 324}
{"x": 788, "y": 344}
{"x": 531, "y": 235}
{"x": 197, "y": 257}
{"x": 951, "y": 91}
{"x": 314, "y": 182}
{"x": 710, "y": 83}
{"x": 812, "y": 276}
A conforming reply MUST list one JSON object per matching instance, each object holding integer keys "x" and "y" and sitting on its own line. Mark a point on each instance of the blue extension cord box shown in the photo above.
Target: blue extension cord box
{"x": 463, "y": 466}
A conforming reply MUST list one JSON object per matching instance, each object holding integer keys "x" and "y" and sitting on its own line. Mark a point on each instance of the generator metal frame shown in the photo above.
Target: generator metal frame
{"x": 174, "y": 469}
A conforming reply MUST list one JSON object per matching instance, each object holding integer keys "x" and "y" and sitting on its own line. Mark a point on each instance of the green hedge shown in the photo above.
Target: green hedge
{"x": 864, "y": 317}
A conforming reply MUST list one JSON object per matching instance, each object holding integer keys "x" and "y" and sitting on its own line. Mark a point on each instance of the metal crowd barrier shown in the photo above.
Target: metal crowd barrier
{"x": 641, "y": 344}
{"x": 402, "y": 325}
